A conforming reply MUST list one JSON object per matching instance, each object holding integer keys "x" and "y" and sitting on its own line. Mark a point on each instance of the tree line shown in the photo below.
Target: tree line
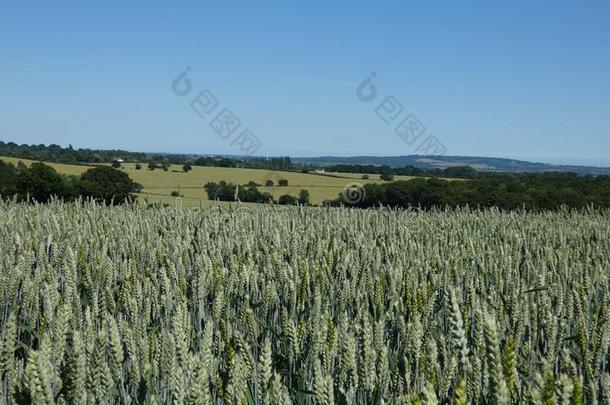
{"x": 387, "y": 172}
{"x": 40, "y": 182}
{"x": 56, "y": 154}
{"x": 224, "y": 191}
{"x": 531, "y": 191}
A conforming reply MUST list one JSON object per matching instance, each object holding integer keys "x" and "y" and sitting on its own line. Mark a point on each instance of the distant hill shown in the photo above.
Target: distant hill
{"x": 442, "y": 162}
{"x": 58, "y": 154}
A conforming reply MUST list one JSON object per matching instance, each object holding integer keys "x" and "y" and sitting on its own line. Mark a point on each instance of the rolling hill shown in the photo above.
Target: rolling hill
{"x": 441, "y": 162}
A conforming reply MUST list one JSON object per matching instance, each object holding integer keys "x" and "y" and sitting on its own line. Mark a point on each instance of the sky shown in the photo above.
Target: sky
{"x": 505, "y": 79}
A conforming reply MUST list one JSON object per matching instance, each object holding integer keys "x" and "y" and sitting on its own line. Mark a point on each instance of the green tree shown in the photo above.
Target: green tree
{"x": 41, "y": 182}
{"x": 21, "y": 167}
{"x": 138, "y": 166}
{"x": 283, "y": 182}
{"x": 304, "y": 197}
{"x": 116, "y": 164}
{"x": 187, "y": 167}
{"x": 287, "y": 200}
{"x": 8, "y": 179}
{"x": 107, "y": 184}
{"x": 269, "y": 183}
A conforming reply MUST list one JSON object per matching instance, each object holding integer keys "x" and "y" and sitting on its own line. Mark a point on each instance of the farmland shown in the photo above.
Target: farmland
{"x": 158, "y": 184}
{"x": 267, "y": 305}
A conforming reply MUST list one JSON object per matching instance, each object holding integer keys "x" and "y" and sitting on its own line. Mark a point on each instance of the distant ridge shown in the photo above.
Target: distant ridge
{"x": 441, "y": 162}
{"x": 58, "y": 154}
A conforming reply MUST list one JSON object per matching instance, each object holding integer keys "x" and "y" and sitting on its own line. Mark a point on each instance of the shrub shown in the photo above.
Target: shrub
{"x": 287, "y": 200}
{"x": 224, "y": 191}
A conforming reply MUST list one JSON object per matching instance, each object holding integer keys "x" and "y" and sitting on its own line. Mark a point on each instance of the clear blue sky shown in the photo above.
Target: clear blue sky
{"x": 509, "y": 79}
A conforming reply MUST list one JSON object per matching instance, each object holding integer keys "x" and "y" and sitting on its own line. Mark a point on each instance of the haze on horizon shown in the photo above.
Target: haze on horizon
{"x": 519, "y": 80}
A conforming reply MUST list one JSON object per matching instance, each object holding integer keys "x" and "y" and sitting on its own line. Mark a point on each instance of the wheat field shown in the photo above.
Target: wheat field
{"x": 272, "y": 305}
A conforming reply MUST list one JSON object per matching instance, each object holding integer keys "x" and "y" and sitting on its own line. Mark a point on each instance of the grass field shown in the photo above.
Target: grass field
{"x": 158, "y": 185}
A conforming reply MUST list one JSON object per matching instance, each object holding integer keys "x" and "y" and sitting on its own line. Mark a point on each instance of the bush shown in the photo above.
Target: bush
{"x": 269, "y": 183}
{"x": 224, "y": 191}
{"x": 387, "y": 176}
{"x": 283, "y": 182}
{"x": 365, "y": 177}
{"x": 152, "y": 166}
{"x": 116, "y": 164}
{"x": 287, "y": 200}
{"x": 138, "y": 166}
{"x": 187, "y": 167}
{"x": 176, "y": 194}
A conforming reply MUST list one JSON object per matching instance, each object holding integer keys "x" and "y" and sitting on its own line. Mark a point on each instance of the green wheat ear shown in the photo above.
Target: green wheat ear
{"x": 75, "y": 370}
{"x": 265, "y": 367}
{"x": 458, "y": 332}
{"x": 510, "y": 366}
{"x": 578, "y": 396}
{"x": 7, "y": 353}
{"x": 460, "y": 396}
{"x": 548, "y": 396}
{"x": 429, "y": 395}
{"x": 38, "y": 379}
{"x": 498, "y": 389}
